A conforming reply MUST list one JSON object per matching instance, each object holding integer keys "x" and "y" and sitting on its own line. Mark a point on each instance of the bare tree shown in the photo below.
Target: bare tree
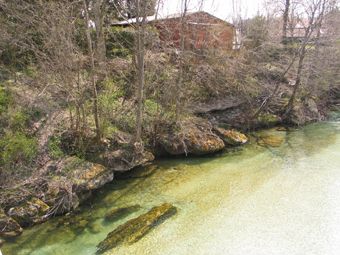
{"x": 141, "y": 20}
{"x": 93, "y": 70}
{"x": 285, "y": 21}
{"x": 184, "y": 6}
{"x": 314, "y": 10}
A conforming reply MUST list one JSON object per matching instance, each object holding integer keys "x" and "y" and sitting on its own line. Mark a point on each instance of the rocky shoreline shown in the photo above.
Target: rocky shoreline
{"x": 62, "y": 185}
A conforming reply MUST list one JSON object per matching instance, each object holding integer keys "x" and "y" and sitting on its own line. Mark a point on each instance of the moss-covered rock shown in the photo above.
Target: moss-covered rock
{"x": 134, "y": 229}
{"x": 8, "y": 226}
{"x": 231, "y": 136}
{"x": 118, "y": 213}
{"x": 83, "y": 175}
{"x": 191, "y": 136}
{"x": 30, "y": 212}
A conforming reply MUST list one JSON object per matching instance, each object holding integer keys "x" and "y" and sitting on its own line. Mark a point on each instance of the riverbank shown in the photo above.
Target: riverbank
{"x": 224, "y": 198}
{"x": 60, "y": 186}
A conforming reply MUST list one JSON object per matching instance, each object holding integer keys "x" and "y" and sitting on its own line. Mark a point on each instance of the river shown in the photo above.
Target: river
{"x": 252, "y": 200}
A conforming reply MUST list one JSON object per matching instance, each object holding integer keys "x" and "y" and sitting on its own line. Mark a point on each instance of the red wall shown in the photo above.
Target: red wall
{"x": 201, "y": 30}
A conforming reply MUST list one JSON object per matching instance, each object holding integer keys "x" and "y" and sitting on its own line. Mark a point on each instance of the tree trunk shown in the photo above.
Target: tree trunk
{"x": 285, "y": 21}
{"x": 140, "y": 51}
{"x": 99, "y": 9}
{"x": 297, "y": 81}
{"x": 92, "y": 73}
{"x": 181, "y": 58}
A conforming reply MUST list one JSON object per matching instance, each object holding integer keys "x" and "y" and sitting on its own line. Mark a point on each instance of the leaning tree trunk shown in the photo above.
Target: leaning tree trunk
{"x": 297, "y": 81}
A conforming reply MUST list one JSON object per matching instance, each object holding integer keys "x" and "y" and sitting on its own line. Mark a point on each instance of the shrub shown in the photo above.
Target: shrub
{"x": 120, "y": 42}
{"x": 4, "y": 99}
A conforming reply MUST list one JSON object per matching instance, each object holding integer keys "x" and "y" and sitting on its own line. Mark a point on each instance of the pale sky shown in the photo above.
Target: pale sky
{"x": 220, "y": 8}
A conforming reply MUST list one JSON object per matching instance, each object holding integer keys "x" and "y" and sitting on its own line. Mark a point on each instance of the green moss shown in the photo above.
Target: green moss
{"x": 151, "y": 107}
{"x": 18, "y": 120}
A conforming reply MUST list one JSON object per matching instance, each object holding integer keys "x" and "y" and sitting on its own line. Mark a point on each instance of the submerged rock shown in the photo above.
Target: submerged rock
{"x": 139, "y": 172}
{"x": 31, "y": 212}
{"x": 267, "y": 120}
{"x": 270, "y": 140}
{"x": 136, "y": 228}
{"x": 231, "y": 137}
{"x": 118, "y": 213}
{"x": 192, "y": 136}
{"x": 8, "y": 226}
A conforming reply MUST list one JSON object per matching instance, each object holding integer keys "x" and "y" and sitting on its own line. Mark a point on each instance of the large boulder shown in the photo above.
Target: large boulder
{"x": 30, "y": 212}
{"x": 73, "y": 178}
{"x": 124, "y": 159}
{"x": 83, "y": 175}
{"x": 305, "y": 111}
{"x": 134, "y": 229}
{"x": 117, "y": 152}
{"x": 192, "y": 136}
{"x": 231, "y": 137}
{"x": 8, "y": 226}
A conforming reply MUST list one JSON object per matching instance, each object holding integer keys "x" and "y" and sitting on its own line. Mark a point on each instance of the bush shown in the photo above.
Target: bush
{"x": 54, "y": 147}
{"x": 18, "y": 120}
{"x": 17, "y": 148}
{"x": 120, "y": 42}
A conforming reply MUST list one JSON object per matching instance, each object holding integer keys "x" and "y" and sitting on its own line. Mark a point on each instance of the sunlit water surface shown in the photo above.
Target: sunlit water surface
{"x": 254, "y": 201}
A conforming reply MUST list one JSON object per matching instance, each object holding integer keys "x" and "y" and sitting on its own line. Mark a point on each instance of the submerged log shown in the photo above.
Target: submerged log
{"x": 134, "y": 229}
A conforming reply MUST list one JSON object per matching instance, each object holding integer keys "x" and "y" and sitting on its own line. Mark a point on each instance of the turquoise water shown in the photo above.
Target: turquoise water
{"x": 254, "y": 200}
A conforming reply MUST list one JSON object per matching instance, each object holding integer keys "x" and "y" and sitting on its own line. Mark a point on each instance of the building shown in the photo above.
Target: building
{"x": 296, "y": 31}
{"x": 201, "y": 31}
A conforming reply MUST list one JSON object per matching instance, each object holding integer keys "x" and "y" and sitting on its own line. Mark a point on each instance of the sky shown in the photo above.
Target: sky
{"x": 220, "y": 8}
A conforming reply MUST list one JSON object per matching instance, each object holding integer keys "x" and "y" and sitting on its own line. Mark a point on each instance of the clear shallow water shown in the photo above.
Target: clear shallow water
{"x": 255, "y": 201}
